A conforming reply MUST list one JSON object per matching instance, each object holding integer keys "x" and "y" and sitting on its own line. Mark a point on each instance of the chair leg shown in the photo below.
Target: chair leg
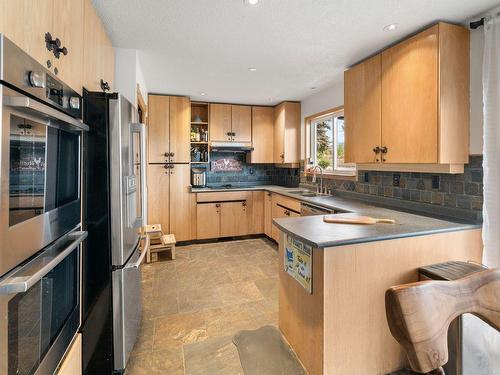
{"x": 173, "y": 252}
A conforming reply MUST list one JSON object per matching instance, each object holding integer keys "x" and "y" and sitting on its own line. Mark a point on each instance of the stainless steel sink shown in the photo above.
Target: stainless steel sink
{"x": 310, "y": 194}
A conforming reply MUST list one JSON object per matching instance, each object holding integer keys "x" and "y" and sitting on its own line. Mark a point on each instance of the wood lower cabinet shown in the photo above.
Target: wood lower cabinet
{"x": 256, "y": 212}
{"x": 169, "y": 199}
{"x": 262, "y": 135}
{"x": 233, "y": 219}
{"x": 208, "y": 220}
{"x": 180, "y": 201}
{"x": 220, "y": 122}
{"x": 268, "y": 216}
{"x": 72, "y": 362}
{"x": 159, "y": 196}
{"x": 283, "y": 207}
{"x": 287, "y": 133}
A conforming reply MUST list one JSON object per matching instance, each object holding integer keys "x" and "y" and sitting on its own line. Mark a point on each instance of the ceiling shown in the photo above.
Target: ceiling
{"x": 189, "y": 47}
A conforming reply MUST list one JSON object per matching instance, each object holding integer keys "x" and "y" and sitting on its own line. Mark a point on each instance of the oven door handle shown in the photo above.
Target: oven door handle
{"x": 144, "y": 251}
{"x": 29, "y": 106}
{"x": 20, "y": 282}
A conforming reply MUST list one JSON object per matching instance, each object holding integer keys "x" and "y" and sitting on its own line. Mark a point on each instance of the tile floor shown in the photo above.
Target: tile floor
{"x": 193, "y": 306}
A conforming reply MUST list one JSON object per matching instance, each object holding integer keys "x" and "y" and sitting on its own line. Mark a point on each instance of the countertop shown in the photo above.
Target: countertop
{"x": 313, "y": 231}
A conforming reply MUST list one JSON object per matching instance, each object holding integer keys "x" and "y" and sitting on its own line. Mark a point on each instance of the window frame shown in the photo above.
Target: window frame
{"x": 311, "y": 138}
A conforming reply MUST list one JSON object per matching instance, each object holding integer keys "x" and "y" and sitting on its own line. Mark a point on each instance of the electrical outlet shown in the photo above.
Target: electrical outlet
{"x": 396, "y": 179}
{"x": 435, "y": 182}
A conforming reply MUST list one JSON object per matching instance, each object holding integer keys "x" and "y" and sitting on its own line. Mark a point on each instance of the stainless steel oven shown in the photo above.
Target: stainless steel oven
{"x": 40, "y": 157}
{"x": 40, "y": 308}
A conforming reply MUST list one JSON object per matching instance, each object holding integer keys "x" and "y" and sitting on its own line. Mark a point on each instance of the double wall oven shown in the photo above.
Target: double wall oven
{"x": 40, "y": 214}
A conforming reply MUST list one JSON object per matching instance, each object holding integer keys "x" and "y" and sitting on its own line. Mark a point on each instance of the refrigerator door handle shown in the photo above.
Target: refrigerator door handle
{"x": 144, "y": 251}
{"x": 141, "y": 129}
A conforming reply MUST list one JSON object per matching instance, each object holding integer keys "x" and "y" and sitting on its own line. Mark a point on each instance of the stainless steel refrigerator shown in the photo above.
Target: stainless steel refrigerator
{"x": 114, "y": 209}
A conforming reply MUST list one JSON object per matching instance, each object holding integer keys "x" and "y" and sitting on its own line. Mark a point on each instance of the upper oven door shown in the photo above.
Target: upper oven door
{"x": 40, "y": 176}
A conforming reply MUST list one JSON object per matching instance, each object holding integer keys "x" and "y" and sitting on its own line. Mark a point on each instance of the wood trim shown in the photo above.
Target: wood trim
{"x": 334, "y": 176}
{"x": 223, "y": 196}
{"x": 332, "y": 111}
{"x": 425, "y": 168}
{"x": 142, "y": 104}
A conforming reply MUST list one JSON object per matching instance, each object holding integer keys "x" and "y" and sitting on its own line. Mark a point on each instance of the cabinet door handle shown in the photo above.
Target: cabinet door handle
{"x": 105, "y": 86}
{"x": 244, "y": 204}
{"x": 376, "y": 150}
{"x": 217, "y": 205}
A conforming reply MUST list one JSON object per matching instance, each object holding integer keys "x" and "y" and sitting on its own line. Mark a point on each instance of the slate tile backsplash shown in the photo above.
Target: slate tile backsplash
{"x": 455, "y": 191}
{"x": 252, "y": 173}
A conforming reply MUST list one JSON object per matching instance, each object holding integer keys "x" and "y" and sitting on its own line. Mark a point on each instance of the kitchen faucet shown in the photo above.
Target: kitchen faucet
{"x": 321, "y": 177}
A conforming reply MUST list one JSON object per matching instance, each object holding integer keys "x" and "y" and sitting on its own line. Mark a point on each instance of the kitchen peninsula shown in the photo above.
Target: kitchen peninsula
{"x": 340, "y": 327}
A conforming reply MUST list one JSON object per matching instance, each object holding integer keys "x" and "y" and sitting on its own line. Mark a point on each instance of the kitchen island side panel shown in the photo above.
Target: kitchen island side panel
{"x": 357, "y": 339}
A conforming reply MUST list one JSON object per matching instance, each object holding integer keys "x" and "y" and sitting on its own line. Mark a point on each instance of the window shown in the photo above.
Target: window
{"x": 327, "y": 144}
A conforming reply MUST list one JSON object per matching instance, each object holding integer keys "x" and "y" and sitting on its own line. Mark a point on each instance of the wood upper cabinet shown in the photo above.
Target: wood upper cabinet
{"x": 158, "y": 182}
{"x": 410, "y": 99}
{"x": 63, "y": 19}
{"x": 25, "y": 23}
{"x": 362, "y": 111}
{"x": 68, "y": 26}
{"x": 287, "y": 133}
{"x": 180, "y": 201}
{"x": 99, "y": 57}
{"x": 241, "y": 123}
{"x": 220, "y": 122}
{"x": 208, "y": 220}
{"x": 424, "y": 103}
{"x": 262, "y": 135}
{"x": 234, "y": 219}
{"x": 180, "y": 117}
{"x": 158, "y": 128}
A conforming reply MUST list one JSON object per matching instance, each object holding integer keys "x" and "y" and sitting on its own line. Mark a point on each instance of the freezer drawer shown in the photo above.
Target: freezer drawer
{"x": 127, "y": 308}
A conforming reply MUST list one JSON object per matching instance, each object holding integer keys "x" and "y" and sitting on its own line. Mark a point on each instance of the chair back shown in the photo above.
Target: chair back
{"x": 419, "y": 314}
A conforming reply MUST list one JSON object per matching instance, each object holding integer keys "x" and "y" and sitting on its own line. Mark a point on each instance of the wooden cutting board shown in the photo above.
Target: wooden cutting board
{"x": 355, "y": 219}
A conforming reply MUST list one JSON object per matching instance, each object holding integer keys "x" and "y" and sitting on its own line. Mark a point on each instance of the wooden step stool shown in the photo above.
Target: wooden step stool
{"x": 159, "y": 242}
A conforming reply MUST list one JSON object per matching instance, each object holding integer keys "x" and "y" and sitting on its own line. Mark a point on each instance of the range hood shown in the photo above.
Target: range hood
{"x": 231, "y": 146}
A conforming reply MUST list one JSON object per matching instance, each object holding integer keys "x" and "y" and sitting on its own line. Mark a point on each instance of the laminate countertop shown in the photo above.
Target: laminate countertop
{"x": 315, "y": 232}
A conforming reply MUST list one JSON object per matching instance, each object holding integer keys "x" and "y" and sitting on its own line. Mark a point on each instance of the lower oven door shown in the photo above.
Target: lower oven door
{"x": 40, "y": 309}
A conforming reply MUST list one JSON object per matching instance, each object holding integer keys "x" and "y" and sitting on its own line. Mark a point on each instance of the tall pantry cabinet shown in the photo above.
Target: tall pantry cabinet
{"x": 169, "y": 171}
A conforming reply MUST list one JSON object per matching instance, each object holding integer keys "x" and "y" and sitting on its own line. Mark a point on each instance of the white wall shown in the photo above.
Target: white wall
{"x": 320, "y": 101}
{"x": 128, "y": 74}
{"x": 334, "y": 97}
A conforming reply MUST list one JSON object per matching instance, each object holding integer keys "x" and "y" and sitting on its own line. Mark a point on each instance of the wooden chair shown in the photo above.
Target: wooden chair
{"x": 419, "y": 314}
{"x": 159, "y": 242}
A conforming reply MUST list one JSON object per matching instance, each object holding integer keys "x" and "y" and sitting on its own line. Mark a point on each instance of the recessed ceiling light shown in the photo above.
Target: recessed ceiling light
{"x": 251, "y": 2}
{"x": 202, "y": 94}
{"x": 252, "y": 69}
{"x": 391, "y": 27}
